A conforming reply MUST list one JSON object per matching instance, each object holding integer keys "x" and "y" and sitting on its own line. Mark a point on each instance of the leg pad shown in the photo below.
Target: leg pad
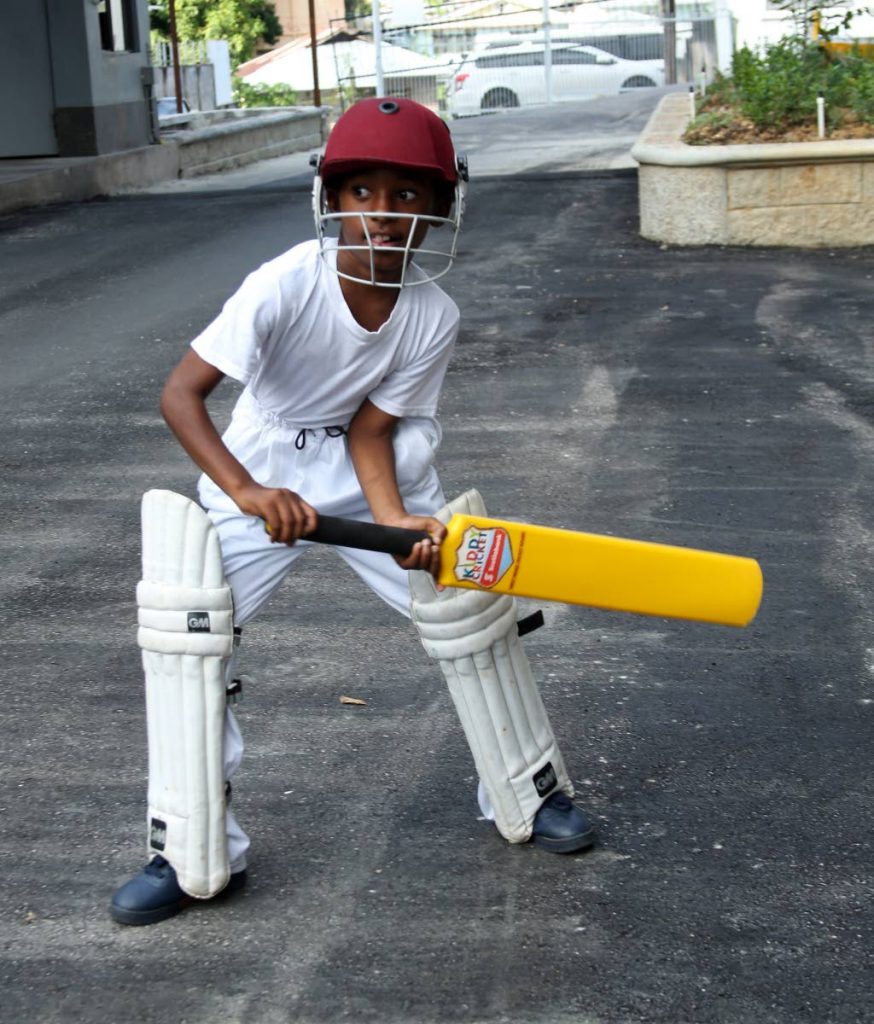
{"x": 475, "y": 637}
{"x": 185, "y": 611}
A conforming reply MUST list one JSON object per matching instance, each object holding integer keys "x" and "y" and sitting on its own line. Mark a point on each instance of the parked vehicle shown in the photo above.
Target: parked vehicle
{"x": 630, "y": 46}
{"x": 166, "y": 107}
{"x": 514, "y": 76}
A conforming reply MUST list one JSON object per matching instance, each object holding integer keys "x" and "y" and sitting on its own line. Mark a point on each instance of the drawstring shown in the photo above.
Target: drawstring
{"x": 301, "y": 439}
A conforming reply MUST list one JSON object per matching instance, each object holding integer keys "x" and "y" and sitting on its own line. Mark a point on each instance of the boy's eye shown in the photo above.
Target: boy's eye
{"x": 360, "y": 191}
{"x": 407, "y": 194}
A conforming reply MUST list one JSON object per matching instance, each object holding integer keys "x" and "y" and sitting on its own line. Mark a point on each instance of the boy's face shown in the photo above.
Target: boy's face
{"x": 386, "y": 203}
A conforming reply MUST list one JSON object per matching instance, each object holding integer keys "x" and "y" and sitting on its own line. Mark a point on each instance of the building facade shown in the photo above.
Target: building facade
{"x": 294, "y": 17}
{"x": 75, "y": 77}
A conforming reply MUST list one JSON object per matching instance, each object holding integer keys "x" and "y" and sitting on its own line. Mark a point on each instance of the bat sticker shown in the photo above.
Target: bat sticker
{"x": 484, "y": 556}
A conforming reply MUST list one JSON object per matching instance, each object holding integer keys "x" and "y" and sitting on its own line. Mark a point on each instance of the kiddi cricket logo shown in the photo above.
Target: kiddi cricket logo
{"x": 483, "y": 556}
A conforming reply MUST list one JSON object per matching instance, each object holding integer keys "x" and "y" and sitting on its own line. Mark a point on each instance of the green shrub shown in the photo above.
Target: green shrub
{"x": 701, "y": 127}
{"x": 722, "y": 91}
{"x": 779, "y": 86}
{"x": 246, "y": 95}
{"x": 861, "y": 88}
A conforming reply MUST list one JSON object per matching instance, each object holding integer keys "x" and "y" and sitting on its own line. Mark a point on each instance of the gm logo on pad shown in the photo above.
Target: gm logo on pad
{"x": 198, "y": 622}
{"x": 545, "y": 780}
{"x": 157, "y": 834}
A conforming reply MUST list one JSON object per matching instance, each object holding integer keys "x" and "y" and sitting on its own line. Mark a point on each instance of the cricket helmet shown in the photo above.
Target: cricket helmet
{"x": 396, "y": 133}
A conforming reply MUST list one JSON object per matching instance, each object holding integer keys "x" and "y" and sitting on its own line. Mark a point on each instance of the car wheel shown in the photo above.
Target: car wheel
{"x": 494, "y": 99}
{"x": 638, "y": 82}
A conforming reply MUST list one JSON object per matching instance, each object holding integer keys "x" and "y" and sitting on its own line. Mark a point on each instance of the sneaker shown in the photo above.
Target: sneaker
{"x": 561, "y": 827}
{"x": 154, "y": 894}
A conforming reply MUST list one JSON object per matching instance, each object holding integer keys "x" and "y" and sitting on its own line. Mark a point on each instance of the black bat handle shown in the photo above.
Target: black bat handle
{"x": 352, "y": 533}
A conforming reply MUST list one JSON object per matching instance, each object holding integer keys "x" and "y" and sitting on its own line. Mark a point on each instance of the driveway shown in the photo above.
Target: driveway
{"x": 719, "y": 398}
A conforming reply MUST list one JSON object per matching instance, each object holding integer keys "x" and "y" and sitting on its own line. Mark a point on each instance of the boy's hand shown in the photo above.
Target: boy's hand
{"x": 287, "y": 516}
{"x": 426, "y": 553}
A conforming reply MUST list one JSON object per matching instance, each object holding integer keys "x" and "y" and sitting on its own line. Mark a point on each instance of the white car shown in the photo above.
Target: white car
{"x": 515, "y": 76}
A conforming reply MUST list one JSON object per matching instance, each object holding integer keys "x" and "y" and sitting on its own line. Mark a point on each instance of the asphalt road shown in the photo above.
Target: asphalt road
{"x": 719, "y": 398}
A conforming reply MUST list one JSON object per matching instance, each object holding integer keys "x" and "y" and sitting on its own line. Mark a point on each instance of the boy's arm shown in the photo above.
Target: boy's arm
{"x": 371, "y": 445}
{"x": 183, "y": 405}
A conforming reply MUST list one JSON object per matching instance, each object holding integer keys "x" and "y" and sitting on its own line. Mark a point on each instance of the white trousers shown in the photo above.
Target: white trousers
{"x": 255, "y": 568}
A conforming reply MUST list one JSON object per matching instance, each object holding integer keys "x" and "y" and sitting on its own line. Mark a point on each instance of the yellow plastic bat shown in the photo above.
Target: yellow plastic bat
{"x": 577, "y": 568}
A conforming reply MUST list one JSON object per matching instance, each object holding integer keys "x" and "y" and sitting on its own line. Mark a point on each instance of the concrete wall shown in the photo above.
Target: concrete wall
{"x": 242, "y": 137}
{"x": 27, "y": 126}
{"x": 198, "y": 85}
{"x": 804, "y": 194}
{"x": 100, "y": 97}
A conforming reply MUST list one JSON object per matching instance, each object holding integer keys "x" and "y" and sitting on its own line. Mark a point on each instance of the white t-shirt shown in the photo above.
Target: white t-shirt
{"x": 289, "y": 337}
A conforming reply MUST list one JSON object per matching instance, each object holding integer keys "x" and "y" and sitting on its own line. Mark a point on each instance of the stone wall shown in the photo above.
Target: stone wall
{"x": 207, "y": 145}
{"x": 805, "y": 194}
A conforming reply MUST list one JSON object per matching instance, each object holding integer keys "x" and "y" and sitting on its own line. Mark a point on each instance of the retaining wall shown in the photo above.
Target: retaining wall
{"x": 191, "y": 144}
{"x": 803, "y": 194}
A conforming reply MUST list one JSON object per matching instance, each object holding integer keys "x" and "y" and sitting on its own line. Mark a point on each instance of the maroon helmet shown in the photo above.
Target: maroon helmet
{"x": 390, "y": 132}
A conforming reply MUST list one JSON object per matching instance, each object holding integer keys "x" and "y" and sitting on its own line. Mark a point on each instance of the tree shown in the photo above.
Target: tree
{"x": 358, "y": 9}
{"x": 830, "y": 18}
{"x": 243, "y": 23}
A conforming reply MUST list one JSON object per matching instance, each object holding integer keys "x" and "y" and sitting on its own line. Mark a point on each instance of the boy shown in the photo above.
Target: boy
{"x": 342, "y": 345}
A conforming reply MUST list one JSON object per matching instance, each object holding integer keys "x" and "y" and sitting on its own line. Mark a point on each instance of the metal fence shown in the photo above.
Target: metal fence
{"x": 191, "y": 51}
{"x": 462, "y": 65}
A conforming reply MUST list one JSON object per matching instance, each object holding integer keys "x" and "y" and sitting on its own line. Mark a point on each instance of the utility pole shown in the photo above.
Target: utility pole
{"x": 174, "y": 49}
{"x": 547, "y": 51}
{"x": 377, "y": 48}
{"x": 317, "y": 94}
{"x": 669, "y": 22}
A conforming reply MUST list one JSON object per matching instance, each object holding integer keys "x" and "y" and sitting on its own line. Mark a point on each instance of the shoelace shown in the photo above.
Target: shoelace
{"x": 157, "y": 865}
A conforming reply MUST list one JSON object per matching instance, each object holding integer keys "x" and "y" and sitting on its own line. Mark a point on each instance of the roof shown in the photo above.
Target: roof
{"x": 292, "y": 64}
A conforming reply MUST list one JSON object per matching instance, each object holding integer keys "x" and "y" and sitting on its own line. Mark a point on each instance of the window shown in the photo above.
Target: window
{"x": 649, "y": 46}
{"x": 574, "y": 57}
{"x": 116, "y": 26}
{"x": 512, "y": 60}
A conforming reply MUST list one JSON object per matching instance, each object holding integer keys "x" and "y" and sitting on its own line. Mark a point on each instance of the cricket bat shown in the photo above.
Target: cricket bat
{"x": 549, "y": 564}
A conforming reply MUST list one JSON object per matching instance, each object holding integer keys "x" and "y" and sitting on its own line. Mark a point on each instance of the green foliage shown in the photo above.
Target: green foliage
{"x": 779, "y": 86}
{"x": 722, "y": 91}
{"x": 701, "y": 127}
{"x": 830, "y": 21}
{"x": 159, "y": 19}
{"x": 355, "y": 9}
{"x": 246, "y": 95}
{"x": 243, "y": 23}
{"x": 860, "y": 89}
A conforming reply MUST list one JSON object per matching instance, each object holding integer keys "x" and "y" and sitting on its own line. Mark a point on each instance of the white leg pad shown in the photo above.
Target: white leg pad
{"x": 473, "y": 634}
{"x": 186, "y": 632}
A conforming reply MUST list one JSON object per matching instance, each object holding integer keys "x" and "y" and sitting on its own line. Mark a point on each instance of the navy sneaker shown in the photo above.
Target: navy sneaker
{"x": 561, "y": 827}
{"x": 154, "y": 894}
